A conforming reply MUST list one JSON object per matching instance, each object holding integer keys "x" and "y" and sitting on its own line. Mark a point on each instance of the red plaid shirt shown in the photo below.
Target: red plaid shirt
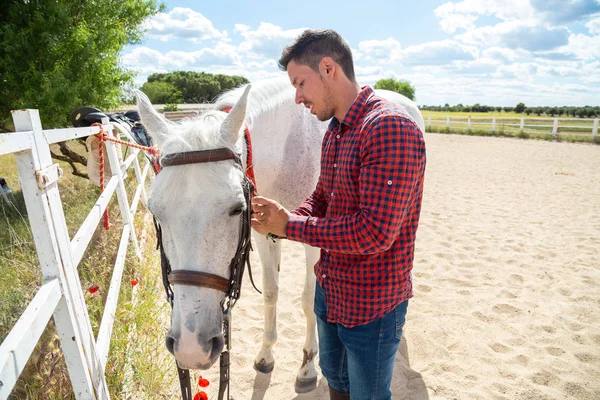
{"x": 365, "y": 210}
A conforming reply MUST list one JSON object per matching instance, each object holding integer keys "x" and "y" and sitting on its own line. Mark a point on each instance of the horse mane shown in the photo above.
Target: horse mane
{"x": 264, "y": 96}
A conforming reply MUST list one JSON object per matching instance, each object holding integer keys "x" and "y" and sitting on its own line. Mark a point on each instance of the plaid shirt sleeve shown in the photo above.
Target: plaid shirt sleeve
{"x": 392, "y": 156}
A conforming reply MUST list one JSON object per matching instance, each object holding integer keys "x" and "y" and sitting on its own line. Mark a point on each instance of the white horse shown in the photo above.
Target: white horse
{"x": 199, "y": 206}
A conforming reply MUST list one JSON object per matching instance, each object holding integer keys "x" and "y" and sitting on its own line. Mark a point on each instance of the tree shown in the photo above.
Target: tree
{"x": 398, "y": 86}
{"x": 162, "y": 92}
{"x": 520, "y": 108}
{"x": 58, "y": 55}
{"x": 195, "y": 87}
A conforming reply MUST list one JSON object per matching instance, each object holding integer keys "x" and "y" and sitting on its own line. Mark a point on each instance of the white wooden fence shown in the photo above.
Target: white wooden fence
{"x": 61, "y": 295}
{"x": 570, "y": 126}
{"x": 532, "y": 125}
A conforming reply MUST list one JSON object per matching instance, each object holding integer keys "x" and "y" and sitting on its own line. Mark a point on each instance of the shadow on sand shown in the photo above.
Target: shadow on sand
{"x": 407, "y": 384}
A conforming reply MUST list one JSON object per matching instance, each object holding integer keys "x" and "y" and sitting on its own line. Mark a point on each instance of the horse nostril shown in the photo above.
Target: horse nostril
{"x": 217, "y": 346}
{"x": 170, "y": 343}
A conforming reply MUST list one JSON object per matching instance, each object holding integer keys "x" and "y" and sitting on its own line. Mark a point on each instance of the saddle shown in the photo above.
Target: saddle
{"x": 86, "y": 116}
{"x": 129, "y": 120}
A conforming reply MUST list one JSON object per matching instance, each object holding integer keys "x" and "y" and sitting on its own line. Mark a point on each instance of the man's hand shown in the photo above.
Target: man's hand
{"x": 269, "y": 216}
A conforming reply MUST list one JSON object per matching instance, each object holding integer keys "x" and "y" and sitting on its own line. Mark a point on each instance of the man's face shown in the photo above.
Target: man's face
{"x": 311, "y": 90}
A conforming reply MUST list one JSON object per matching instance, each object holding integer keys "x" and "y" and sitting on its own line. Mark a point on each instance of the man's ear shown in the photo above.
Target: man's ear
{"x": 328, "y": 66}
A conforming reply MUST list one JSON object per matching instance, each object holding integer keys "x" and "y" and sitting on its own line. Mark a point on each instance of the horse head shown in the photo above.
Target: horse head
{"x": 201, "y": 209}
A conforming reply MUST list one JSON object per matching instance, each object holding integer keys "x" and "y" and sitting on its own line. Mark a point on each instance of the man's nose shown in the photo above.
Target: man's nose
{"x": 299, "y": 97}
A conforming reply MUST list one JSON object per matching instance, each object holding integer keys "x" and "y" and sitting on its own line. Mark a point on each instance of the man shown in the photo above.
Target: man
{"x": 363, "y": 215}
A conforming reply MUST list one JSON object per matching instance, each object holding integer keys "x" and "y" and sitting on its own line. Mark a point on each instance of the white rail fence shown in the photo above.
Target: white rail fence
{"x": 531, "y": 125}
{"x": 61, "y": 295}
{"x": 553, "y": 126}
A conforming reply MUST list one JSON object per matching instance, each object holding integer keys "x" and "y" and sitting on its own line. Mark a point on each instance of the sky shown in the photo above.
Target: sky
{"x": 497, "y": 53}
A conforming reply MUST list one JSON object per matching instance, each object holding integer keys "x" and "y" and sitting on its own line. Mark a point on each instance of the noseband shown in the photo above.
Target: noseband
{"x": 232, "y": 286}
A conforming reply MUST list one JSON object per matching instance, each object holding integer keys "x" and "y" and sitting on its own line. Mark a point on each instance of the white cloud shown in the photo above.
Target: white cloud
{"x": 564, "y": 11}
{"x": 517, "y": 35}
{"x": 463, "y": 14}
{"x": 267, "y": 40}
{"x": 182, "y": 23}
{"x": 437, "y": 53}
{"x": 222, "y": 54}
{"x": 503, "y": 54}
{"x": 582, "y": 47}
{"x": 590, "y": 73}
{"x": 390, "y": 51}
{"x": 525, "y": 72}
{"x": 370, "y": 70}
{"x": 593, "y": 26}
{"x": 387, "y": 50}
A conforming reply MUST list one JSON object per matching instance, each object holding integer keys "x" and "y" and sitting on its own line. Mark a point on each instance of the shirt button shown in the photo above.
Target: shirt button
{"x": 337, "y": 136}
{"x": 334, "y": 165}
{"x": 331, "y": 194}
{"x": 323, "y": 276}
{"x": 389, "y": 182}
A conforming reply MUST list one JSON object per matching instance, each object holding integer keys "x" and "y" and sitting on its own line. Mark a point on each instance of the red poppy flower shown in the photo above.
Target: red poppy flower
{"x": 201, "y": 396}
{"x": 203, "y": 382}
{"x": 93, "y": 289}
{"x": 134, "y": 282}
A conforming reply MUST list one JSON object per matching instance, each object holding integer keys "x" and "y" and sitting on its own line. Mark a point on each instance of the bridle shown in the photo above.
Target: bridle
{"x": 232, "y": 286}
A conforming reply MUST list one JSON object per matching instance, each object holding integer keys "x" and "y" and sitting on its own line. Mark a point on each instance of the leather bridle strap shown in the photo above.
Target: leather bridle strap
{"x": 201, "y": 279}
{"x": 198, "y": 157}
{"x": 232, "y": 286}
{"x": 184, "y": 382}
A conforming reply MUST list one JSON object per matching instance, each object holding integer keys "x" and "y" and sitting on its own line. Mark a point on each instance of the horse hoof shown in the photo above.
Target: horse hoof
{"x": 305, "y": 385}
{"x": 264, "y": 367}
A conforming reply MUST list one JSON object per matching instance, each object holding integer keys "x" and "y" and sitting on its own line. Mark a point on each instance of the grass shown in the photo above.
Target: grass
{"x": 536, "y": 127}
{"x": 133, "y": 365}
{"x": 514, "y": 134}
{"x": 490, "y": 114}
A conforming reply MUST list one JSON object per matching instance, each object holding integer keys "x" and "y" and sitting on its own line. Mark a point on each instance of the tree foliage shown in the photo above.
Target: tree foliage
{"x": 398, "y": 86}
{"x": 56, "y": 55}
{"x": 188, "y": 86}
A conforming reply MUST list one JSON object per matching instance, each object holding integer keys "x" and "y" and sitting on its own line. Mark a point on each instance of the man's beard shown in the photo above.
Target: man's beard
{"x": 327, "y": 112}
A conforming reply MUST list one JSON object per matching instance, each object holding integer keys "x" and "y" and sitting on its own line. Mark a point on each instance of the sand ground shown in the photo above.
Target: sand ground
{"x": 506, "y": 274}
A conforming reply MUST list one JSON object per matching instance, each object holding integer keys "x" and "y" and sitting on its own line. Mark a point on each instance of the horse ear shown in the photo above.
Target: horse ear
{"x": 156, "y": 124}
{"x": 235, "y": 119}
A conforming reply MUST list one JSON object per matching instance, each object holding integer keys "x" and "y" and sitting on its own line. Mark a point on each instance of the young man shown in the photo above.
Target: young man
{"x": 363, "y": 215}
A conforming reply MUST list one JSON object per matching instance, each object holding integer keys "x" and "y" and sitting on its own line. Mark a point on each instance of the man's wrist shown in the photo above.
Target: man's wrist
{"x": 274, "y": 237}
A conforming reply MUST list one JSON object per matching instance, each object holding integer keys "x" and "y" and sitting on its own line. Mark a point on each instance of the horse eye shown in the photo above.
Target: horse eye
{"x": 236, "y": 211}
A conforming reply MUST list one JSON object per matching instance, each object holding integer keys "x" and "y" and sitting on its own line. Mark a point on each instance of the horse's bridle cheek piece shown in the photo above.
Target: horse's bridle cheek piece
{"x": 232, "y": 286}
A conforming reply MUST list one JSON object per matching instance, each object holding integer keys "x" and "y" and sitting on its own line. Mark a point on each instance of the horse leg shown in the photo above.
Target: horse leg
{"x": 270, "y": 255}
{"x": 306, "y": 379}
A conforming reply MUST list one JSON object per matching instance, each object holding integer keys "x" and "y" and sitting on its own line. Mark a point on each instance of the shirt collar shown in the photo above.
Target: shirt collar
{"x": 356, "y": 110}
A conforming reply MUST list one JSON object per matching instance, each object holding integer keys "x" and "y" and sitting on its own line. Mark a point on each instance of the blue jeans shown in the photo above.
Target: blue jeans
{"x": 359, "y": 360}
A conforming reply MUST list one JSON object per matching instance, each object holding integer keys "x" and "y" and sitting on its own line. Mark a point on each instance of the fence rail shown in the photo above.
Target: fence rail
{"x": 553, "y": 126}
{"x": 61, "y": 295}
{"x": 531, "y": 125}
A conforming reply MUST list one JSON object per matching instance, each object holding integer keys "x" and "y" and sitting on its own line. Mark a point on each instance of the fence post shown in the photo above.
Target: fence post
{"x": 595, "y": 129}
{"x": 448, "y": 122}
{"x": 555, "y": 127}
{"x": 493, "y": 124}
{"x": 115, "y": 167}
{"x": 522, "y": 128}
{"x": 429, "y": 121}
{"x": 52, "y": 243}
{"x": 469, "y": 122}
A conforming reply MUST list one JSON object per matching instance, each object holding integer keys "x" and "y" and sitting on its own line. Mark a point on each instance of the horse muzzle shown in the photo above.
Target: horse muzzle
{"x": 198, "y": 353}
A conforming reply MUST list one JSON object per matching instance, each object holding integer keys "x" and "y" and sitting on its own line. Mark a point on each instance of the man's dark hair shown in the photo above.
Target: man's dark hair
{"x": 312, "y": 45}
